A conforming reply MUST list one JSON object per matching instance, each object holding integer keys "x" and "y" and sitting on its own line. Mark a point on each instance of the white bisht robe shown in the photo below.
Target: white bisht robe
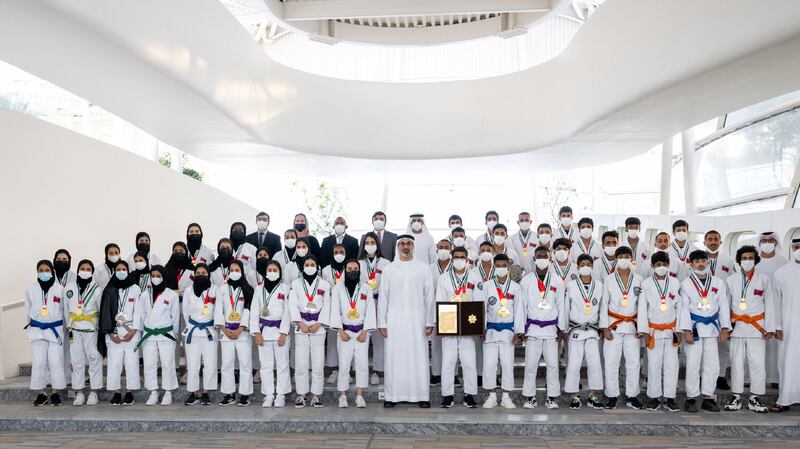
{"x": 786, "y": 301}
{"x": 405, "y": 308}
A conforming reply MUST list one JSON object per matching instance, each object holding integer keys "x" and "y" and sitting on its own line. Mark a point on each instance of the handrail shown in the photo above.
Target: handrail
{"x": 11, "y": 305}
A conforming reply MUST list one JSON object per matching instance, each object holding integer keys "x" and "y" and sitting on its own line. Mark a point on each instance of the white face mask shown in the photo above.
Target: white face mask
{"x": 542, "y": 263}
{"x": 491, "y": 224}
{"x": 633, "y": 233}
{"x": 290, "y": 243}
{"x": 84, "y": 274}
{"x": 339, "y": 258}
{"x": 302, "y": 252}
{"x": 140, "y": 265}
{"x": 661, "y": 270}
{"x": 273, "y": 276}
{"x": 486, "y": 256}
{"x": 610, "y": 250}
{"x": 157, "y": 281}
{"x": 585, "y": 271}
{"x": 370, "y": 249}
{"x": 702, "y": 272}
{"x": 309, "y": 271}
{"x": 416, "y": 226}
{"x": 561, "y": 255}
{"x": 235, "y": 275}
{"x": 748, "y": 265}
{"x": 262, "y": 225}
{"x": 113, "y": 259}
{"x": 459, "y": 241}
{"x": 586, "y": 232}
{"x": 566, "y": 221}
{"x": 443, "y": 254}
{"x": 338, "y": 229}
{"x": 499, "y": 240}
{"x": 454, "y": 225}
{"x": 796, "y": 255}
{"x": 121, "y": 275}
{"x": 459, "y": 264}
{"x": 544, "y": 239}
{"x": 378, "y": 225}
{"x": 681, "y": 236}
{"x": 767, "y": 247}
{"x": 524, "y": 225}
{"x": 712, "y": 251}
{"x": 501, "y": 271}
{"x": 623, "y": 264}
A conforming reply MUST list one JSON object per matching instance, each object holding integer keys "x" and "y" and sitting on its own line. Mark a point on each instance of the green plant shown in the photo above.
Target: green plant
{"x": 323, "y": 204}
{"x": 166, "y": 160}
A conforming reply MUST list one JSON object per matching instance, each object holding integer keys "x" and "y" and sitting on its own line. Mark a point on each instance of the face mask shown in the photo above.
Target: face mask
{"x": 459, "y": 264}
{"x": 499, "y": 240}
{"x": 486, "y": 256}
{"x": 302, "y": 252}
{"x": 339, "y": 258}
{"x": 416, "y": 226}
{"x": 261, "y": 264}
{"x": 796, "y": 255}
{"x": 235, "y": 275}
{"x": 61, "y": 266}
{"x": 143, "y": 247}
{"x": 542, "y": 263}
{"x": 459, "y": 241}
{"x": 45, "y": 276}
{"x": 544, "y": 239}
{"x": 140, "y": 265}
{"x": 353, "y": 275}
{"x": 237, "y": 236}
{"x": 85, "y": 274}
{"x": 202, "y": 281}
{"x": 610, "y": 250}
{"x": 633, "y": 233}
{"x": 681, "y": 236}
{"x": 524, "y": 225}
{"x": 290, "y": 243}
{"x": 225, "y": 252}
{"x": 585, "y": 271}
{"x": 767, "y": 247}
{"x": 566, "y": 221}
{"x": 623, "y": 264}
{"x": 273, "y": 276}
{"x": 156, "y": 281}
{"x": 561, "y": 255}
{"x": 310, "y": 271}
{"x": 262, "y": 225}
{"x": 113, "y": 259}
{"x": 300, "y": 227}
{"x": 586, "y": 232}
{"x": 442, "y": 254}
{"x": 661, "y": 270}
{"x": 748, "y": 265}
{"x": 378, "y": 225}
{"x": 370, "y": 249}
{"x": 194, "y": 239}
{"x": 501, "y": 271}
{"x": 491, "y": 224}
{"x": 338, "y": 229}
{"x": 712, "y": 251}
{"x": 454, "y": 225}
{"x": 122, "y": 275}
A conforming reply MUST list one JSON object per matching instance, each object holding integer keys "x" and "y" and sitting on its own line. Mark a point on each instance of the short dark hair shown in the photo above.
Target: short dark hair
{"x": 632, "y": 221}
{"x": 455, "y": 217}
{"x": 486, "y": 243}
{"x": 261, "y": 214}
{"x": 524, "y": 213}
{"x": 712, "y": 232}
{"x": 544, "y": 225}
{"x": 659, "y": 256}
{"x": 459, "y": 249}
{"x": 747, "y": 249}
{"x": 623, "y": 251}
{"x": 500, "y": 226}
{"x": 562, "y": 242}
{"x": 564, "y": 210}
{"x": 698, "y": 254}
{"x": 491, "y": 212}
{"x": 585, "y": 220}
{"x": 679, "y": 223}
{"x": 607, "y": 234}
{"x": 458, "y": 229}
{"x": 583, "y": 257}
{"x": 380, "y": 212}
{"x": 540, "y": 249}
{"x": 501, "y": 257}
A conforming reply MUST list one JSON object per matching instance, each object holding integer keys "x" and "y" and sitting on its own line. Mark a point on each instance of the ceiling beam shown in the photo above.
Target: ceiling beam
{"x": 340, "y": 9}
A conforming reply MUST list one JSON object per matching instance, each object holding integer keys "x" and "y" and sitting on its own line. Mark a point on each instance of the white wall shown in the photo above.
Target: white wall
{"x": 60, "y": 189}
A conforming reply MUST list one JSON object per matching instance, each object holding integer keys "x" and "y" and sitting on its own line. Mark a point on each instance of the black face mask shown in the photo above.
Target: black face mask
{"x": 143, "y": 247}
{"x": 353, "y": 275}
{"x": 237, "y": 237}
{"x": 225, "y": 253}
{"x": 201, "y": 284}
{"x": 194, "y": 241}
{"x": 261, "y": 265}
{"x": 61, "y": 267}
{"x": 179, "y": 257}
{"x": 300, "y": 227}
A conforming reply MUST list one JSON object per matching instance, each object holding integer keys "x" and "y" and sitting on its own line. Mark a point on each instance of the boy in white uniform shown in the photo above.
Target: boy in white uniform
{"x": 441, "y": 266}
{"x": 524, "y": 241}
{"x": 563, "y": 265}
{"x": 585, "y": 244}
{"x": 565, "y": 228}
{"x": 721, "y": 266}
{"x": 544, "y": 234}
{"x": 232, "y": 318}
{"x": 500, "y": 243}
{"x": 45, "y": 316}
{"x": 641, "y": 250}
{"x": 681, "y": 248}
{"x": 606, "y": 265}
{"x": 82, "y": 311}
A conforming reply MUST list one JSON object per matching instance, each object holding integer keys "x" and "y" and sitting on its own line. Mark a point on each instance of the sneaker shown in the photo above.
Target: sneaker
{"x": 80, "y": 399}
{"x": 551, "y": 403}
{"x": 733, "y": 403}
{"x": 343, "y": 401}
{"x": 300, "y": 402}
{"x": 227, "y": 400}
{"x": 671, "y": 406}
{"x": 491, "y": 401}
{"x": 360, "y": 402}
{"x": 267, "y": 402}
{"x": 204, "y": 399}
{"x": 244, "y": 400}
{"x": 389, "y": 404}
{"x": 191, "y": 400}
{"x": 423, "y": 404}
{"x": 710, "y": 405}
{"x": 611, "y": 404}
{"x": 334, "y": 376}
{"x": 447, "y": 401}
{"x": 167, "y": 399}
{"x": 316, "y": 402}
{"x": 529, "y": 402}
{"x": 722, "y": 384}
{"x": 280, "y": 401}
{"x": 653, "y": 404}
{"x": 41, "y": 399}
{"x": 374, "y": 379}
{"x": 128, "y": 399}
{"x": 506, "y": 402}
{"x": 116, "y": 399}
{"x": 633, "y": 403}
{"x": 153, "y": 399}
{"x": 575, "y": 403}
{"x": 691, "y": 405}
{"x": 756, "y": 405}
{"x": 436, "y": 380}
{"x": 594, "y": 402}
{"x": 469, "y": 401}
{"x": 92, "y": 399}
{"x": 55, "y": 399}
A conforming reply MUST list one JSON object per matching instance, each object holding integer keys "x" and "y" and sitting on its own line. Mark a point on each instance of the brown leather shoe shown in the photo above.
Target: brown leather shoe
{"x": 779, "y": 408}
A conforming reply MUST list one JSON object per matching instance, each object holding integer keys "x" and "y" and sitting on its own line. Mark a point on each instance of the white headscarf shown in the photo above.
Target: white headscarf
{"x": 410, "y": 230}
{"x": 778, "y": 247}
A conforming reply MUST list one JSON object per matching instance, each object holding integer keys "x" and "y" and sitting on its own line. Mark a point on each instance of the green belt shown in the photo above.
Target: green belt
{"x": 153, "y": 332}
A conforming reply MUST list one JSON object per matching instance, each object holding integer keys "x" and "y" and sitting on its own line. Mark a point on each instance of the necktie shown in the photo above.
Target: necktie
{"x": 379, "y": 237}
{"x": 260, "y": 239}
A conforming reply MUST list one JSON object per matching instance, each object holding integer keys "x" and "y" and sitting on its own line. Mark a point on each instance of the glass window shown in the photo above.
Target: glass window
{"x": 753, "y": 110}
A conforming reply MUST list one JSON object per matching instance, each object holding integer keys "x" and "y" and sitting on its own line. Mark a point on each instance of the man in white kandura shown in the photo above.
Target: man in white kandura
{"x": 786, "y": 299}
{"x": 406, "y": 319}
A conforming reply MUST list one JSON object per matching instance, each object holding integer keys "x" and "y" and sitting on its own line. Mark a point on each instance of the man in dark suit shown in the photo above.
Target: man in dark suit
{"x": 387, "y": 240}
{"x": 339, "y": 236}
{"x": 263, "y": 237}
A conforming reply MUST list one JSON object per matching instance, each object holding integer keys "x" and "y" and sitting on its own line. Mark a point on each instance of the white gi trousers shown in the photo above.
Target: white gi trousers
{"x": 153, "y": 352}
{"x": 627, "y": 345}
{"x": 536, "y": 348}
{"x": 577, "y": 351}
{"x": 274, "y": 360}
{"x": 123, "y": 355}
{"x": 83, "y": 349}
{"x": 47, "y": 362}
{"x": 702, "y": 360}
{"x": 201, "y": 351}
{"x": 502, "y": 351}
{"x": 752, "y": 349}
{"x": 231, "y": 351}
{"x": 455, "y": 349}
{"x": 662, "y": 369}
{"x": 309, "y": 347}
{"x": 353, "y": 351}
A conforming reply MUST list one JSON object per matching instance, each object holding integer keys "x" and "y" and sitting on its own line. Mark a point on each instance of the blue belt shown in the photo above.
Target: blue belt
{"x": 44, "y": 326}
{"x": 713, "y": 319}
{"x": 500, "y": 326}
{"x": 201, "y": 326}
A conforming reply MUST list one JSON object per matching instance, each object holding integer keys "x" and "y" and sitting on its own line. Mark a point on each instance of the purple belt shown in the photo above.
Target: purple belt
{"x": 354, "y": 328}
{"x": 309, "y": 316}
{"x": 540, "y": 323}
{"x": 268, "y": 323}
{"x": 232, "y": 326}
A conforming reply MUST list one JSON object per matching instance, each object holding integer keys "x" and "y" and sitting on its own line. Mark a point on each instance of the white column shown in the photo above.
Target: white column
{"x": 666, "y": 176}
{"x": 689, "y": 179}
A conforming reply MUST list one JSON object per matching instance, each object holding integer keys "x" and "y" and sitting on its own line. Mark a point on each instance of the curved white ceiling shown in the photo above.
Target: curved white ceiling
{"x": 187, "y": 72}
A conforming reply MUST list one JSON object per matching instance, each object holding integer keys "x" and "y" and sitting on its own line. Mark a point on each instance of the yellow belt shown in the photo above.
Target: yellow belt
{"x": 82, "y": 317}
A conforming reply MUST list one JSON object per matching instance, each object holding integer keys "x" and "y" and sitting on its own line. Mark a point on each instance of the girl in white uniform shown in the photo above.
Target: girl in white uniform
{"x": 293, "y": 271}
{"x": 141, "y": 271}
{"x": 143, "y": 246}
{"x": 232, "y": 317}
{"x": 221, "y": 266}
{"x": 105, "y": 272}
{"x": 179, "y": 270}
{"x": 81, "y": 313}
{"x": 270, "y": 323}
{"x": 198, "y": 253}
{"x": 243, "y": 251}
{"x": 286, "y": 255}
{"x": 117, "y": 310}
{"x": 334, "y": 275}
{"x": 62, "y": 261}
{"x": 44, "y": 312}
{"x": 372, "y": 265}
{"x": 199, "y": 302}
{"x": 353, "y": 317}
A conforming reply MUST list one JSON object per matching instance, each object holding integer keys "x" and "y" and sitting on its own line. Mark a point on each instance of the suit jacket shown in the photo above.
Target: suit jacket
{"x": 271, "y": 241}
{"x": 388, "y": 244}
{"x": 326, "y": 252}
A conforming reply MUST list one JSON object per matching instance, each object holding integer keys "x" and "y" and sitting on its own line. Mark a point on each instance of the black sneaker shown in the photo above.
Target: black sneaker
{"x": 610, "y": 404}
{"x": 469, "y": 401}
{"x": 300, "y": 402}
{"x": 422, "y": 404}
{"x": 671, "y": 406}
{"x": 709, "y": 405}
{"x": 116, "y": 399}
{"x": 594, "y": 402}
{"x": 41, "y": 399}
{"x": 575, "y": 402}
{"x": 756, "y": 405}
{"x": 653, "y": 404}
{"x": 128, "y": 399}
{"x": 722, "y": 384}
{"x": 316, "y": 402}
{"x": 734, "y": 403}
{"x": 691, "y": 405}
{"x": 390, "y": 404}
{"x": 55, "y": 399}
{"x": 436, "y": 380}
{"x": 447, "y": 401}
{"x": 204, "y": 399}
{"x": 227, "y": 400}
{"x": 244, "y": 400}
{"x": 191, "y": 400}
{"x": 633, "y": 403}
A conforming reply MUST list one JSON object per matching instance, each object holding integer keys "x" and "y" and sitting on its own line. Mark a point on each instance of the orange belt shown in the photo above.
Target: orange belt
{"x": 621, "y": 319}
{"x": 750, "y": 319}
{"x": 660, "y": 327}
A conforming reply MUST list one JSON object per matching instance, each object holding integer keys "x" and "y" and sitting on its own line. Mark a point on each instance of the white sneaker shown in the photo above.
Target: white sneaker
{"x": 167, "y": 399}
{"x": 280, "y": 400}
{"x": 374, "y": 379}
{"x": 491, "y": 401}
{"x": 267, "y": 403}
{"x": 333, "y": 377}
{"x": 343, "y": 402}
{"x": 360, "y": 402}
{"x": 92, "y": 399}
{"x": 80, "y": 398}
{"x": 506, "y": 402}
{"x": 153, "y": 399}
{"x": 529, "y": 403}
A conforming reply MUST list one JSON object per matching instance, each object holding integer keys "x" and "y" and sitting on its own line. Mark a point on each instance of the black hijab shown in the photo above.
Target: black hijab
{"x": 270, "y": 285}
{"x": 224, "y": 261}
{"x": 309, "y": 279}
{"x": 109, "y": 263}
{"x": 290, "y": 251}
{"x": 144, "y": 247}
{"x": 159, "y": 289}
{"x": 201, "y": 283}
{"x": 238, "y": 237}
{"x": 176, "y": 263}
{"x": 83, "y": 283}
{"x": 109, "y": 304}
{"x": 46, "y": 285}
{"x": 338, "y": 266}
{"x": 351, "y": 283}
{"x": 61, "y": 268}
{"x": 137, "y": 274}
{"x": 261, "y": 262}
{"x": 242, "y": 283}
{"x": 300, "y": 261}
{"x": 194, "y": 242}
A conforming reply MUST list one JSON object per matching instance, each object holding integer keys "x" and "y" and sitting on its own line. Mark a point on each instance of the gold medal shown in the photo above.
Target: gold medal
{"x": 206, "y": 311}
{"x": 455, "y": 298}
{"x": 44, "y": 311}
{"x": 373, "y": 284}
{"x": 79, "y": 310}
{"x": 624, "y": 302}
{"x": 587, "y": 309}
{"x": 503, "y": 312}
{"x": 525, "y": 252}
{"x": 234, "y": 316}
{"x": 464, "y": 296}
{"x": 742, "y": 304}
{"x": 353, "y": 314}
{"x": 338, "y": 281}
{"x": 504, "y": 302}
{"x": 663, "y": 307}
